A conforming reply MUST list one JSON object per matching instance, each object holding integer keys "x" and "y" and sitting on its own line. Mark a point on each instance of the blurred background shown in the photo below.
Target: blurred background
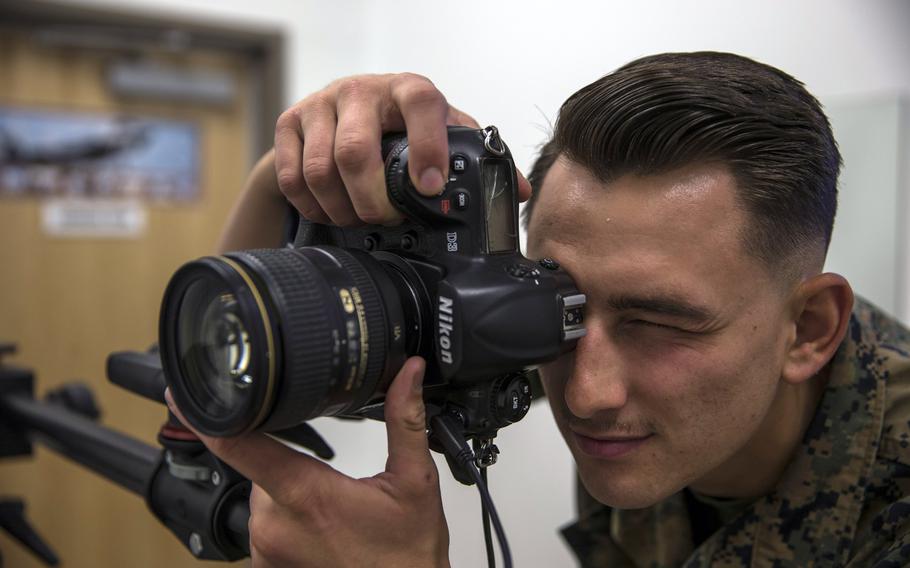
{"x": 127, "y": 128}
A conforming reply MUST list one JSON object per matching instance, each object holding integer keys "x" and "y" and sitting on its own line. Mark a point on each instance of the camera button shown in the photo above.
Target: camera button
{"x": 549, "y": 263}
{"x": 523, "y": 271}
{"x": 516, "y": 270}
{"x": 462, "y": 199}
{"x": 459, "y": 163}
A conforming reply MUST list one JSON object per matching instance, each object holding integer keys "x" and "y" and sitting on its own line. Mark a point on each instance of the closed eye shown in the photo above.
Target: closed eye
{"x": 646, "y": 323}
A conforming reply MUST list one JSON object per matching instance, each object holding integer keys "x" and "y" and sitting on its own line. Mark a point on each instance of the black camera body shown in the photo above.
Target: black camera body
{"x": 336, "y": 315}
{"x": 493, "y": 310}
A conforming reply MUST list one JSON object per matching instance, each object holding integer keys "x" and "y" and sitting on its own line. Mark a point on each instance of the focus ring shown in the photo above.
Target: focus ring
{"x": 375, "y": 319}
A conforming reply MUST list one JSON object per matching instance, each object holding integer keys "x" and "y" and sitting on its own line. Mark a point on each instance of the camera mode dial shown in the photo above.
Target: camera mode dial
{"x": 512, "y": 399}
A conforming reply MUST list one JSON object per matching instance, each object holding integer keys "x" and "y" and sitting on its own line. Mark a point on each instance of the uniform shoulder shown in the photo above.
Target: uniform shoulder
{"x": 889, "y": 350}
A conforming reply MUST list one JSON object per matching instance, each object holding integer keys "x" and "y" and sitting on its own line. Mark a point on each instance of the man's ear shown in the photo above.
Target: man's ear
{"x": 821, "y": 311}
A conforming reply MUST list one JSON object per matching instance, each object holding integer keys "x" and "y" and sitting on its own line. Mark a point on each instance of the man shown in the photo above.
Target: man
{"x": 725, "y": 407}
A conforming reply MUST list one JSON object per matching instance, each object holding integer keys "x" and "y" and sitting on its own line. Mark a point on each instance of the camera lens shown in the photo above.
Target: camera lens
{"x": 215, "y": 346}
{"x": 266, "y": 339}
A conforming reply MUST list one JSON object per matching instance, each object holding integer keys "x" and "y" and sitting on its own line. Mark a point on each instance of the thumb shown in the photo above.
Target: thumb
{"x": 405, "y": 416}
{"x": 524, "y": 187}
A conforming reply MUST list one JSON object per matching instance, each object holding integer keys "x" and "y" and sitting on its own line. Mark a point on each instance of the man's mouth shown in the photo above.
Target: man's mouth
{"x": 607, "y": 446}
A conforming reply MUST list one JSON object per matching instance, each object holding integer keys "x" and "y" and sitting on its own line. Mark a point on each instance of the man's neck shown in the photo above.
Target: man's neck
{"x": 756, "y": 468}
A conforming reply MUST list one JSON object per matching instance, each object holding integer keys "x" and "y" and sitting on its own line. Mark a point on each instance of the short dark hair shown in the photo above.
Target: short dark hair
{"x": 665, "y": 111}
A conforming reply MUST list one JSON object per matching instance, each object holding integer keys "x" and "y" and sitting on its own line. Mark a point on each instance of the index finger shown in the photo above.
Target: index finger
{"x": 425, "y": 111}
{"x": 283, "y": 473}
{"x": 358, "y": 154}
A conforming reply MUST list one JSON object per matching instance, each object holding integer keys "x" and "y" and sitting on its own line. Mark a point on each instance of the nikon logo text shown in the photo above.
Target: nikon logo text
{"x": 446, "y": 321}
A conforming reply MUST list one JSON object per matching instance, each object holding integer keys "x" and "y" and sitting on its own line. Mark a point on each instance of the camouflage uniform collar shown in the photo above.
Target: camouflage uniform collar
{"x": 810, "y": 517}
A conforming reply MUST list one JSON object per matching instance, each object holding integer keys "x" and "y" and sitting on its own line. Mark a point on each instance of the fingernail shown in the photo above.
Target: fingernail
{"x": 431, "y": 180}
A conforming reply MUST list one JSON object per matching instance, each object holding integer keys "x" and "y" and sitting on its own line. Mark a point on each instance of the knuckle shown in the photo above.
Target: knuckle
{"x": 355, "y": 87}
{"x": 430, "y": 479}
{"x": 423, "y": 488}
{"x": 352, "y": 152}
{"x": 422, "y": 94}
{"x": 289, "y": 181}
{"x": 289, "y": 119}
{"x": 400, "y": 80}
{"x": 414, "y": 419}
{"x": 318, "y": 170}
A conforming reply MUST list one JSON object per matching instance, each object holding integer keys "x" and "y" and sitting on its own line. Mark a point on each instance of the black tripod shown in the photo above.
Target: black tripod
{"x": 201, "y": 500}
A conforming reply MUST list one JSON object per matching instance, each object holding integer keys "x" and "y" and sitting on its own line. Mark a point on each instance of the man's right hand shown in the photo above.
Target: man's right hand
{"x": 328, "y": 156}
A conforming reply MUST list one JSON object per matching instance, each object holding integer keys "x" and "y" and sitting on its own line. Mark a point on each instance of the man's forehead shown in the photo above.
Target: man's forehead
{"x": 679, "y": 231}
{"x": 572, "y": 200}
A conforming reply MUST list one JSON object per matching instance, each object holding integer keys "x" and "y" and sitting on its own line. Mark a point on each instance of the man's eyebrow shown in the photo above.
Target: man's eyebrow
{"x": 674, "y": 307}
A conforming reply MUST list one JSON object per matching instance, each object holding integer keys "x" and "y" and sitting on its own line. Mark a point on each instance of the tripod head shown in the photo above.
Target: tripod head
{"x": 209, "y": 516}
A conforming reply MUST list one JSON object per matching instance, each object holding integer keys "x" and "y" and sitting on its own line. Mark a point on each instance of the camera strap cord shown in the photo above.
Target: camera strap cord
{"x": 446, "y": 430}
{"x": 486, "y": 453}
{"x": 485, "y": 519}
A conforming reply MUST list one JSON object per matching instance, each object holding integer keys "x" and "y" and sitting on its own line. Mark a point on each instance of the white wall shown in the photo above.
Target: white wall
{"x": 870, "y": 242}
{"x": 502, "y": 61}
{"x": 512, "y": 63}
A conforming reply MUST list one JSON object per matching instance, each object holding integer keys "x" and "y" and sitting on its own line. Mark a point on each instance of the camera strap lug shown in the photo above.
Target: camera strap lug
{"x": 485, "y": 453}
{"x": 492, "y": 142}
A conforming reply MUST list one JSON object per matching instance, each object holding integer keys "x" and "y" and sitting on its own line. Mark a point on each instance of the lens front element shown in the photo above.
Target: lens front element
{"x": 214, "y": 347}
{"x": 218, "y": 346}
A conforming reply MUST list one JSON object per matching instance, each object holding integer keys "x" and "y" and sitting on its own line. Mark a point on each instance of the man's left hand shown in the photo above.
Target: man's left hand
{"x": 304, "y": 513}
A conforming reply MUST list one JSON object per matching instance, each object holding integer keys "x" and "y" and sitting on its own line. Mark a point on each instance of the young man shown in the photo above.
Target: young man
{"x": 729, "y": 405}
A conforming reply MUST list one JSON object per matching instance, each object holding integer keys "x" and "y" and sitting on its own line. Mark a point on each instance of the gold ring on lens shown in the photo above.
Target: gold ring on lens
{"x": 270, "y": 342}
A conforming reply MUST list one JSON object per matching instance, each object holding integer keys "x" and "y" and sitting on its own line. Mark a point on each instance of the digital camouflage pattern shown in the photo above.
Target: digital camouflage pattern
{"x": 844, "y": 499}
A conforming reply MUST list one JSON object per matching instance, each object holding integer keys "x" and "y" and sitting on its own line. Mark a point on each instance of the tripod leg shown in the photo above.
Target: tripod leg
{"x": 12, "y": 518}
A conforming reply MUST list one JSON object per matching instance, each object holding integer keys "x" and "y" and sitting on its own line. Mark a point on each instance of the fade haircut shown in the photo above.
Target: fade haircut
{"x": 665, "y": 111}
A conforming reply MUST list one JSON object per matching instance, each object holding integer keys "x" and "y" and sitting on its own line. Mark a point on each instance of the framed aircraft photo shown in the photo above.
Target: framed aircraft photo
{"x": 50, "y": 154}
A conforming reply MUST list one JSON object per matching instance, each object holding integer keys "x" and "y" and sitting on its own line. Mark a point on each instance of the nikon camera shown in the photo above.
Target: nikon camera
{"x": 266, "y": 339}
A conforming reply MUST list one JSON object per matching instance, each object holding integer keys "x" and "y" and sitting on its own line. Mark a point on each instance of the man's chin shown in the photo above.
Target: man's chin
{"x": 623, "y": 491}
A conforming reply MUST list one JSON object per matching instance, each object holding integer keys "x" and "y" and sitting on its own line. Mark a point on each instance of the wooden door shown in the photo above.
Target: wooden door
{"x": 68, "y": 302}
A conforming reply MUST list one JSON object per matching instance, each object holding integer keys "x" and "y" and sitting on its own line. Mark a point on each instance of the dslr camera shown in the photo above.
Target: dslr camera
{"x": 267, "y": 339}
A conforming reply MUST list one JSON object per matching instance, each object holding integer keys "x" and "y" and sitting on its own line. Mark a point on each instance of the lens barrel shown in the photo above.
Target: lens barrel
{"x": 265, "y": 339}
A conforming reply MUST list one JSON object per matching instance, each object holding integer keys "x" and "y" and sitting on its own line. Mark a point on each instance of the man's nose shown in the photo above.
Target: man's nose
{"x": 598, "y": 381}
